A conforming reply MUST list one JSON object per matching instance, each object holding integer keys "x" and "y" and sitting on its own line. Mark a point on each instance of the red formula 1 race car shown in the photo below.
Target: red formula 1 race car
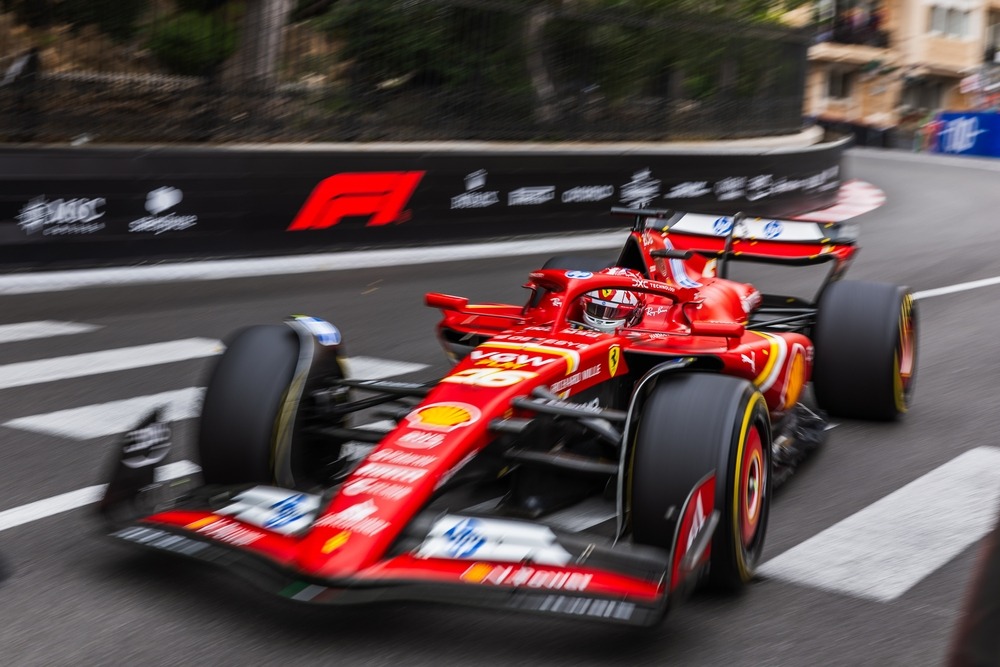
{"x": 595, "y": 452}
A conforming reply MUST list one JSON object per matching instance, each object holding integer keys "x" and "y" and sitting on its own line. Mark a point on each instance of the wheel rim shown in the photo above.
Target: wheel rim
{"x": 906, "y": 355}
{"x": 751, "y": 491}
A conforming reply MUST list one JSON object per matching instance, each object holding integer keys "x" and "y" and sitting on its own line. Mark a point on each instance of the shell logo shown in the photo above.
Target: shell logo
{"x": 444, "y": 416}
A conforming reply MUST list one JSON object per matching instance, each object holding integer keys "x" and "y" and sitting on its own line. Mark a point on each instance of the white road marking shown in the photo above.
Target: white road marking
{"x": 25, "y": 373}
{"x": 370, "y": 368}
{"x": 890, "y": 546}
{"x": 11, "y": 333}
{"x": 104, "y": 419}
{"x": 59, "y": 281}
{"x": 960, "y": 287}
{"x": 65, "y": 502}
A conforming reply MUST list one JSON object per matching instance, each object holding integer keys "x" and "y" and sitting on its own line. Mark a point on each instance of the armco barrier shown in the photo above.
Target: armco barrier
{"x": 95, "y": 205}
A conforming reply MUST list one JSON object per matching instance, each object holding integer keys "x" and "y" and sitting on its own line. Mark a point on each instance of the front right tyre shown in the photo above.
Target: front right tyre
{"x": 694, "y": 425}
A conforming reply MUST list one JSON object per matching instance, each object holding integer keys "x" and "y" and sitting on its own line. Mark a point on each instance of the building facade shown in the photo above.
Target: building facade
{"x": 884, "y": 64}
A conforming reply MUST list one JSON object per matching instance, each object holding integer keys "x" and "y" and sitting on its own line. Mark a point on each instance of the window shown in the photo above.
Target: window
{"x": 838, "y": 84}
{"x": 957, "y": 23}
{"x": 937, "y": 19}
{"x": 951, "y": 22}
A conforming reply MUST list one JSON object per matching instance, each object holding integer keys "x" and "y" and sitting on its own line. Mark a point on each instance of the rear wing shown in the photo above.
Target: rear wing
{"x": 810, "y": 238}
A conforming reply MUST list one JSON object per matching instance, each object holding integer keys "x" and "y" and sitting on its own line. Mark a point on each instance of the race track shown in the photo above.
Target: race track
{"x": 905, "y": 504}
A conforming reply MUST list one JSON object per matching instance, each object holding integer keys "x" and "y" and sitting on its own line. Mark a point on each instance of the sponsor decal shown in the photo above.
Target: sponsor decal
{"x": 614, "y": 357}
{"x": 159, "y": 201}
{"x": 379, "y": 196}
{"x": 773, "y": 229}
{"x": 653, "y": 311}
{"x": 694, "y": 516}
{"x": 759, "y": 187}
{"x": 489, "y": 377}
{"x": 146, "y": 446}
{"x": 689, "y": 190}
{"x": 61, "y": 216}
{"x": 287, "y": 511}
{"x": 576, "y": 378}
{"x": 588, "y": 193}
{"x": 356, "y": 519}
{"x": 585, "y": 333}
{"x": 579, "y": 275}
{"x": 536, "y": 342}
{"x": 443, "y": 416}
{"x": 642, "y": 190}
{"x": 531, "y": 196}
{"x": 325, "y": 333}
{"x": 474, "y": 196}
{"x": 730, "y": 188}
{"x": 225, "y": 530}
{"x": 464, "y": 539}
{"x": 960, "y": 134}
{"x": 159, "y": 539}
{"x": 750, "y": 361}
{"x": 335, "y": 542}
{"x": 402, "y": 458}
{"x": 578, "y": 606}
{"x": 529, "y": 577}
{"x": 393, "y": 473}
{"x": 420, "y": 440}
{"x": 280, "y": 510}
{"x": 494, "y": 540}
{"x": 606, "y": 293}
{"x": 374, "y": 487}
{"x": 510, "y": 360}
{"x": 722, "y": 226}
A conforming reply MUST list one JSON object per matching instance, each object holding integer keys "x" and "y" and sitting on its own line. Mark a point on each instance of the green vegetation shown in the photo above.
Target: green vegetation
{"x": 192, "y": 43}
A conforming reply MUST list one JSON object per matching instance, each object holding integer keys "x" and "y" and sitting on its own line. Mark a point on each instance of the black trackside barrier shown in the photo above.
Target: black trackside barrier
{"x": 90, "y": 206}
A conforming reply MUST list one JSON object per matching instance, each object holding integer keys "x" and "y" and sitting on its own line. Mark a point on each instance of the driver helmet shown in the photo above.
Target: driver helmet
{"x": 609, "y": 309}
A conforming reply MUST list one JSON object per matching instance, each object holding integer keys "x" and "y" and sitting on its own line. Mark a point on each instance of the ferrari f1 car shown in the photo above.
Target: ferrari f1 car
{"x": 595, "y": 452}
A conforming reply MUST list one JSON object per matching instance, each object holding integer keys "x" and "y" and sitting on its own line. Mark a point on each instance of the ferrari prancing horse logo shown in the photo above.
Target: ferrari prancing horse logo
{"x": 614, "y": 356}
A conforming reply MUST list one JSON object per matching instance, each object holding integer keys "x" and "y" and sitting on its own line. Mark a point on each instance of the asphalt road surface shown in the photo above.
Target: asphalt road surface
{"x": 870, "y": 548}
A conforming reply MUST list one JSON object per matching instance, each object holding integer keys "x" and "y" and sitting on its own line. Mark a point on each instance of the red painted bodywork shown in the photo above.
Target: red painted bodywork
{"x": 529, "y": 346}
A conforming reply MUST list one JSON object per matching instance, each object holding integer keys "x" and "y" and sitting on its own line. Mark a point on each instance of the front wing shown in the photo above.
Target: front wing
{"x": 623, "y": 584}
{"x": 576, "y": 575}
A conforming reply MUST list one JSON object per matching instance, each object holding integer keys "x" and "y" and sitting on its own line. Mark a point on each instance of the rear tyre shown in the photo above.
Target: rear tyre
{"x": 693, "y": 425}
{"x": 866, "y": 350}
{"x": 245, "y": 393}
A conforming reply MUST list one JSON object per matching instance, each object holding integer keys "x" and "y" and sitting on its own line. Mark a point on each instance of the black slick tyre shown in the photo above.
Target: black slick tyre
{"x": 866, "y": 350}
{"x": 693, "y": 425}
{"x": 244, "y": 395}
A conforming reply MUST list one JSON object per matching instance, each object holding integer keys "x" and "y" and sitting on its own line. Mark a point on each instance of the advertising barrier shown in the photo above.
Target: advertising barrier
{"x": 94, "y": 205}
{"x": 968, "y": 133}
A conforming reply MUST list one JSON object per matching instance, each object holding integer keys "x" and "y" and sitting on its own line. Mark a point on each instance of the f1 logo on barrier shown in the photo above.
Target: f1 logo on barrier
{"x": 379, "y": 195}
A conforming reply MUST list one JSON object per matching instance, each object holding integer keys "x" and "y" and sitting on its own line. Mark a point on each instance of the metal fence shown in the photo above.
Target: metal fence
{"x": 364, "y": 70}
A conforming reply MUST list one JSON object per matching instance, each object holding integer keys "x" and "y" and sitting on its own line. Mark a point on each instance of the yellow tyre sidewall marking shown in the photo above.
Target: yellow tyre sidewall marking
{"x": 737, "y": 478}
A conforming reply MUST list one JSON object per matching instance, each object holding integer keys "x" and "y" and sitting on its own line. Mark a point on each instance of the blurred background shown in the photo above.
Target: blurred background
{"x": 347, "y": 70}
